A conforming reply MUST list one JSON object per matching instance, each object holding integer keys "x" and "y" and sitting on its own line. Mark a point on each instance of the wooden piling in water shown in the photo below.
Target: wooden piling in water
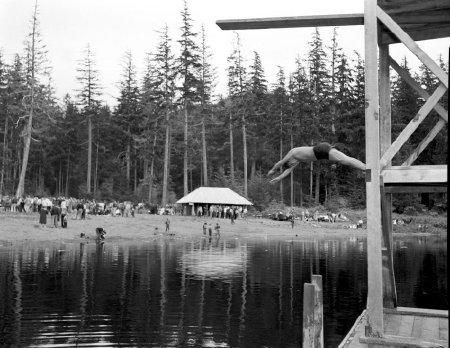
{"x": 313, "y": 313}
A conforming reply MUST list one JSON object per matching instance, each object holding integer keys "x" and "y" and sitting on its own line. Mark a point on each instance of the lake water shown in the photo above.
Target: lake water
{"x": 198, "y": 293}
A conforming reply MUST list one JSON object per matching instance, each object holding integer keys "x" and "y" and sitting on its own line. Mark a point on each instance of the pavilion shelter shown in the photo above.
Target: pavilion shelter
{"x": 206, "y": 196}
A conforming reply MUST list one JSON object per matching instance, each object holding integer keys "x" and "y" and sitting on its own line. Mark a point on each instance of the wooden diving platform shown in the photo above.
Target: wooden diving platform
{"x": 383, "y": 324}
{"x": 403, "y": 327}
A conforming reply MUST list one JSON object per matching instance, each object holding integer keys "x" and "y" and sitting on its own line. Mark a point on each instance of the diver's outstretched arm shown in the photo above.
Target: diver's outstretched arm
{"x": 340, "y": 157}
{"x": 284, "y": 174}
{"x": 280, "y": 164}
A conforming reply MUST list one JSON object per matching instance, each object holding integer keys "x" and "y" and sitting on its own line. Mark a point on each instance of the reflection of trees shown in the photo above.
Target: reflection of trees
{"x": 420, "y": 268}
{"x": 146, "y": 294}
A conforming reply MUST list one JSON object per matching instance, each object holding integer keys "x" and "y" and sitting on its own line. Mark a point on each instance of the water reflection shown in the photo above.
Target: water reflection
{"x": 191, "y": 293}
{"x": 209, "y": 260}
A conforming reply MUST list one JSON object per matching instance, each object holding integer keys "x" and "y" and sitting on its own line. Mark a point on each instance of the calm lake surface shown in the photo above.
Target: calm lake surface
{"x": 198, "y": 293}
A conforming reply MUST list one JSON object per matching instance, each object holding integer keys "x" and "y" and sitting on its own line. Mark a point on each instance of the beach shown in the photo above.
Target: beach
{"x": 21, "y": 227}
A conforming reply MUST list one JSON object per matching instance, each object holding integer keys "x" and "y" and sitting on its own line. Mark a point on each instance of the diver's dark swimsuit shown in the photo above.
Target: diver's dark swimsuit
{"x": 322, "y": 150}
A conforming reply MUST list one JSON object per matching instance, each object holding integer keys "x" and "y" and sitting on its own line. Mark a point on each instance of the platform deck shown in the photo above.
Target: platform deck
{"x": 403, "y": 327}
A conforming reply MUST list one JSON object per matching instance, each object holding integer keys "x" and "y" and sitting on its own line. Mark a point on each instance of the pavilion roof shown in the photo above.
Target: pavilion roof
{"x": 214, "y": 195}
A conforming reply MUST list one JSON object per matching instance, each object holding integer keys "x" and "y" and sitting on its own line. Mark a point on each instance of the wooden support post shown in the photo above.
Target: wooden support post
{"x": 316, "y": 280}
{"x": 313, "y": 313}
{"x": 389, "y": 290}
{"x": 373, "y": 201}
{"x": 308, "y": 315}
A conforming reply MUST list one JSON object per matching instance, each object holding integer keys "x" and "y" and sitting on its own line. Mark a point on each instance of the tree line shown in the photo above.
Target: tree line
{"x": 170, "y": 133}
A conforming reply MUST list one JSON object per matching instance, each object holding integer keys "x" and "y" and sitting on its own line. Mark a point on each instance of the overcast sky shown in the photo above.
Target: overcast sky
{"x": 111, "y": 27}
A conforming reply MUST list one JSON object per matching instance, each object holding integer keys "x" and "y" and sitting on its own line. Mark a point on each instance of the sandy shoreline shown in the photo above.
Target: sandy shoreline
{"x": 19, "y": 227}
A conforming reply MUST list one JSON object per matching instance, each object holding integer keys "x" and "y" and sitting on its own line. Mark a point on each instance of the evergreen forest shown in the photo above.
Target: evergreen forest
{"x": 171, "y": 132}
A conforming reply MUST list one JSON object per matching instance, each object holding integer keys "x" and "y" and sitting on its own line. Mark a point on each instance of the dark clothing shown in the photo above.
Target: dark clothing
{"x": 43, "y": 217}
{"x": 322, "y": 150}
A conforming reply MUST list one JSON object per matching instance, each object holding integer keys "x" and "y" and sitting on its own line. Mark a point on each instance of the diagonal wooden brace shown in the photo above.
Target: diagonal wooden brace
{"x": 412, "y": 46}
{"x": 412, "y": 126}
{"x": 416, "y": 86}
{"x": 424, "y": 143}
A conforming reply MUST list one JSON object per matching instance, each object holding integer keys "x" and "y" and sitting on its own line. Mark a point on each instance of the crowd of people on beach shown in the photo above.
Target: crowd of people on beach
{"x": 58, "y": 208}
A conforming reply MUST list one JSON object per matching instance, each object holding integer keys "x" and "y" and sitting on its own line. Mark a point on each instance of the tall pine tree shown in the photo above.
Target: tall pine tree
{"x": 188, "y": 68}
{"x": 88, "y": 100}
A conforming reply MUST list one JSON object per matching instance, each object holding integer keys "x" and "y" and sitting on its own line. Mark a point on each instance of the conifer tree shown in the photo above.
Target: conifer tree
{"x": 319, "y": 80}
{"x": 341, "y": 101}
{"x": 279, "y": 107}
{"x": 206, "y": 85}
{"x": 4, "y": 117}
{"x": 257, "y": 104}
{"x": 300, "y": 105}
{"x": 404, "y": 105}
{"x": 188, "y": 69}
{"x": 150, "y": 101}
{"x": 127, "y": 111}
{"x": 88, "y": 99}
{"x": 237, "y": 88}
{"x": 15, "y": 109}
{"x": 35, "y": 60}
{"x": 165, "y": 67}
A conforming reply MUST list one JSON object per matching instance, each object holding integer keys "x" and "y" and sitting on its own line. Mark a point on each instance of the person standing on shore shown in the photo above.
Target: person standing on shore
{"x": 55, "y": 212}
{"x": 167, "y": 225}
{"x": 43, "y": 216}
{"x": 64, "y": 214}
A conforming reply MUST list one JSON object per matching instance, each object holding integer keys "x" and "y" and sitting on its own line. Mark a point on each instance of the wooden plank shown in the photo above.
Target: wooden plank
{"x": 355, "y": 332}
{"x": 422, "y": 17}
{"x": 292, "y": 22}
{"x": 389, "y": 289}
{"x": 424, "y": 143}
{"x": 406, "y": 325}
{"x": 430, "y": 328}
{"x": 432, "y": 32}
{"x": 394, "y": 324}
{"x": 414, "y": 189}
{"x": 385, "y": 99}
{"x": 419, "y": 311}
{"x": 401, "y": 6}
{"x": 412, "y": 125}
{"x": 373, "y": 197}
{"x": 417, "y": 326}
{"x": 412, "y": 46}
{"x": 308, "y": 315}
{"x": 316, "y": 280}
{"x": 400, "y": 342}
{"x": 415, "y": 174}
{"x": 416, "y": 86}
{"x": 443, "y": 329}
{"x": 417, "y": 33}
